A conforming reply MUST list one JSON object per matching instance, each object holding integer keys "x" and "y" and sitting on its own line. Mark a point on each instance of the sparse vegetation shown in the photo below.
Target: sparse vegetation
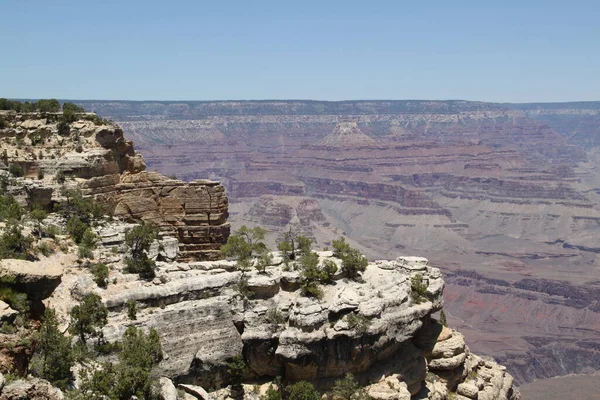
{"x": 138, "y": 241}
{"x": 358, "y": 322}
{"x": 13, "y": 244}
{"x": 302, "y": 391}
{"x": 245, "y": 245}
{"x": 10, "y": 210}
{"x": 348, "y": 389}
{"x": 16, "y": 170}
{"x": 100, "y": 272}
{"x": 131, "y": 376}
{"x": 353, "y": 262}
{"x": 54, "y": 357}
{"x": 88, "y": 318}
{"x": 418, "y": 289}
{"x": 443, "y": 320}
{"x": 68, "y": 106}
{"x": 236, "y": 369}
{"x": 132, "y": 310}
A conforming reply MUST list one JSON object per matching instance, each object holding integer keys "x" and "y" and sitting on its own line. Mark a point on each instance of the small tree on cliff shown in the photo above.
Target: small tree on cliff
{"x": 138, "y": 240}
{"x": 88, "y": 317}
{"x": 353, "y": 262}
{"x": 53, "y": 355}
{"x": 247, "y": 244}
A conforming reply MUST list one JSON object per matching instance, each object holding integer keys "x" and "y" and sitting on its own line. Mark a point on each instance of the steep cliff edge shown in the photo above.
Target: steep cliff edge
{"x": 375, "y": 327}
{"x": 92, "y": 154}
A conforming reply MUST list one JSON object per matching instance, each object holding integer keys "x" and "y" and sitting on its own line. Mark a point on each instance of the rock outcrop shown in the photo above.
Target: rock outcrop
{"x": 209, "y": 312}
{"x": 93, "y": 154}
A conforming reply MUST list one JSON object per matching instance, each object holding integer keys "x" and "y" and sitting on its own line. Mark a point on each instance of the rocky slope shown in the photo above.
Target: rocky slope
{"x": 92, "y": 153}
{"x": 505, "y": 204}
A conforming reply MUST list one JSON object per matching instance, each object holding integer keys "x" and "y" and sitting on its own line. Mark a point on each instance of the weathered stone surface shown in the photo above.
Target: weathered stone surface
{"x": 389, "y": 389}
{"x": 107, "y": 168}
{"x": 33, "y": 388}
{"x": 37, "y": 279}
{"x": 468, "y": 390}
{"x": 196, "y": 391}
{"x": 167, "y": 389}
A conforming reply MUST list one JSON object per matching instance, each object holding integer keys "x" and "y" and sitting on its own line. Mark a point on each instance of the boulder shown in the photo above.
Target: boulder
{"x": 197, "y": 391}
{"x": 389, "y": 389}
{"x": 167, "y": 389}
{"x": 36, "y": 278}
{"x": 33, "y": 388}
{"x": 468, "y": 390}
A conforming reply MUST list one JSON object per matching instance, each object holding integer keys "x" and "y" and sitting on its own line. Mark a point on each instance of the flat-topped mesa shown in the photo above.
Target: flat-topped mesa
{"x": 93, "y": 154}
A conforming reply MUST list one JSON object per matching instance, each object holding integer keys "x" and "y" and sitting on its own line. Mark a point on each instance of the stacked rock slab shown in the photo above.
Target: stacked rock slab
{"x": 94, "y": 155}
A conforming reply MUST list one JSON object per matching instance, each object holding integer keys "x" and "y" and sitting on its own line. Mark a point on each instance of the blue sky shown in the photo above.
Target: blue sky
{"x": 508, "y": 50}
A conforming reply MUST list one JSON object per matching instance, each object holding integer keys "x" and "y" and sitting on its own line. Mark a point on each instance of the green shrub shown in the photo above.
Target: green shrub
{"x": 132, "y": 309}
{"x": 246, "y": 244}
{"x": 236, "y": 369}
{"x": 348, "y": 389}
{"x": 13, "y": 244}
{"x": 86, "y": 209}
{"x": 68, "y": 106}
{"x": 76, "y": 228}
{"x": 313, "y": 290}
{"x": 358, "y": 322}
{"x": 100, "y": 272}
{"x": 54, "y": 356}
{"x": 353, "y": 262}
{"x": 3, "y": 123}
{"x": 63, "y": 128}
{"x": 10, "y": 295}
{"x": 47, "y": 105}
{"x": 131, "y": 376}
{"x": 418, "y": 289}
{"x": 10, "y": 210}
{"x": 329, "y": 270}
{"x": 38, "y": 215}
{"x": 302, "y": 391}
{"x": 138, "y": 240}
{"x": 16, "y": 170}
{"x": 88, "y": 317}
{"x": 304, "y": 244}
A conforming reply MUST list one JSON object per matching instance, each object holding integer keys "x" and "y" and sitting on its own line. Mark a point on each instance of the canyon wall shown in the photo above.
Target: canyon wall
{"x": 505, "y": 203}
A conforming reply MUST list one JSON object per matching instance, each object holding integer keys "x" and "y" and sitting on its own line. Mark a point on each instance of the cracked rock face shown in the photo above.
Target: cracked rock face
{"x": 99, "y": 160}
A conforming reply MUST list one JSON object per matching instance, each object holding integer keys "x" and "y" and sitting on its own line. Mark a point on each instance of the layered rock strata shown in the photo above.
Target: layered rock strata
{"x": 94, "y": 155}
{"x": 375, "y": 328}
{"x": 507, "y": 194}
